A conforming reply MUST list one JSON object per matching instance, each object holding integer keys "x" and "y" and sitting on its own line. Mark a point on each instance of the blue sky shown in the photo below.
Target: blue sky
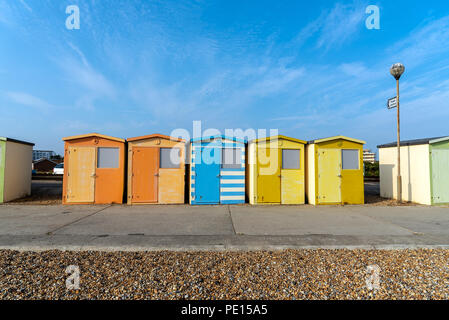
{"x": 310, "y": 69}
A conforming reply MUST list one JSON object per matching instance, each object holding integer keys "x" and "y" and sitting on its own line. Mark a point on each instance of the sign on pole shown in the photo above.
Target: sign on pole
{"x": 392, "y": 103}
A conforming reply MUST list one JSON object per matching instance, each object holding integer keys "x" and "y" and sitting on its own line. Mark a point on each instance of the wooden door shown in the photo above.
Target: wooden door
{"x": 268, "y": 175}
{"x": 292, "y": 177}
{"x": 440, "y": 175}
{"x": 207, "y": 175}
{"x": 145, "y": 174}
{"x": 329, "y": 176}
{"x": 81, "y": 175}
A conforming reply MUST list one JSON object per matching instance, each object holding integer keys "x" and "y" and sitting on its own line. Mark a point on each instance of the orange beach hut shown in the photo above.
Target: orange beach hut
{"x": 94, "y": 169}
{"x": 156, "y": 169}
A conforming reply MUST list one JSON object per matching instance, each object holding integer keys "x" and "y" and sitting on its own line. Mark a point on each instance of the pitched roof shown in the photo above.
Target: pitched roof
{"x": 218, "y": 136}
{"x": 43, "y": 159}
{"x": 336, "y": 138}
{"x": 278, "y": 137}
{"x": 16, "y": 141}
{"x": 88, "y": 135}
{"x": 156, "y": 135}
{"x": 414, "y": 142}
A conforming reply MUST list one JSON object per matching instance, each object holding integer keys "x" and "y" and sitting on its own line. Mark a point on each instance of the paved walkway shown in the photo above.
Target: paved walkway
{"x": 184, "y": 227}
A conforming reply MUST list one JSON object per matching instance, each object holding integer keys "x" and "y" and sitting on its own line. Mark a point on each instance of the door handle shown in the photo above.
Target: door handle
{"x": 156, "y": 174}
{"x": 93, "y": 175}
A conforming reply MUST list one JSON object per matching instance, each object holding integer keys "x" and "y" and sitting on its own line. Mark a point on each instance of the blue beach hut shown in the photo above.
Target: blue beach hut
{"x": 217, "y": 170}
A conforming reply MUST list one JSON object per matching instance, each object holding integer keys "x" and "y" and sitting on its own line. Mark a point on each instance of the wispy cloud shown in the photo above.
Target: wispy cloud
{"x": 423, "y": 43}
{"x": 26, "y": 5}
{"x": 28, "y": 100}
{"x": 334, "y": 27}
{"x": 80, "y": 54}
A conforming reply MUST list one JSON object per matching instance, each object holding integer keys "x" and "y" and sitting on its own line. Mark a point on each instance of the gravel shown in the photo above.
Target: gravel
{"x": 288, "y": 274}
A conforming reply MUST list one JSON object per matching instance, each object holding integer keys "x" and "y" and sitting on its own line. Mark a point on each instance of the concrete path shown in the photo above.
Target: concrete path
{"x": 184, "y": 227}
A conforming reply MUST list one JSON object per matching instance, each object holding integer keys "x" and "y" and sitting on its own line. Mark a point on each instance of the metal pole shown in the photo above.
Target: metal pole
{"x": 399, "y": 187}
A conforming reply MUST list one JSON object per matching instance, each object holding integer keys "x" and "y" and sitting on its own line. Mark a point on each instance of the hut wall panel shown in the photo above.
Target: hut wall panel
{"x": 2, "y": 168}
{"x": 415, "y": 172}
{"x": 17, "y": 174}
{"x": 310, "y": 174}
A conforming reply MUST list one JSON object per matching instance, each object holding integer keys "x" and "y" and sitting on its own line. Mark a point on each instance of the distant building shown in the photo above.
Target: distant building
{"x": 43, "y": 154}
{"x": 369, "y": 156}
{"x": 44, "y": 165}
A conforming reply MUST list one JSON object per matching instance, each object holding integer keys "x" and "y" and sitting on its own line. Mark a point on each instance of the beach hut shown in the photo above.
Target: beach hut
{"x": 334, "y": 173}
{"x": 16, "y": 159}
{"x": 94, "y": 169}
{"x": 156, "y": 169}
{"x": 424, "y": 170}
{"x": 275, "y": 170}
{"x": 217, "y": 170}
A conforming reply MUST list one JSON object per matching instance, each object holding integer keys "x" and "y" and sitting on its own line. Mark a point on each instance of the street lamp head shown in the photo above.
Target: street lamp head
{"x": 397, "y": 70}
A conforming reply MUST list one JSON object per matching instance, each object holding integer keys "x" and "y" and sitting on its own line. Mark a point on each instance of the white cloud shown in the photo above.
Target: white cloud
{"x": 28, "y": 100}
{"x": 423, "y": 43}
{"x": 334, "y": 27}
{"x": 80, "y": 53}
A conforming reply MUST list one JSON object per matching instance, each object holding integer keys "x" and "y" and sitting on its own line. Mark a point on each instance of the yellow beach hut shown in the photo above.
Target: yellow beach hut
{"x": 276, "y": 171}
{"x": 334, "y": 173}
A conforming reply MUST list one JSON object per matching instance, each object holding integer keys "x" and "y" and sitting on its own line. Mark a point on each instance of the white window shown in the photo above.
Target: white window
{"x": 108, "y": 158}
{"x": 290, "y": 159}
{"x": 350, "y": 159}
{"x": 170, "y": 158}
{"x": 231, "y": 158}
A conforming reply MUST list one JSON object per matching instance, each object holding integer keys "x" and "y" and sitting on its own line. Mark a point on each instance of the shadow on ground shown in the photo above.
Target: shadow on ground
{"x": 50, "y": 192}
{"x": 43, "y": 192}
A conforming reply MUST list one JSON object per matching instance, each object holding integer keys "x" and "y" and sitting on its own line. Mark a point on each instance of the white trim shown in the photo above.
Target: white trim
{"x": 232, "y": 181}
{"x": 236, "y": 189}
{"x": 224, "y": 198}
{"x": 232, "y": 173}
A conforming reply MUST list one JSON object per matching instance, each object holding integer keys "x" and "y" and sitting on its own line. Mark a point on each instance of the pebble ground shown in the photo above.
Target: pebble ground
{"x": 289, "y": 274}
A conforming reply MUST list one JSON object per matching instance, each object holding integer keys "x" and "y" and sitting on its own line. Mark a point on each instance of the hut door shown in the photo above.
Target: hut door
{"x": 268, "y": 175}
{"x": 329, "y": 176}
{"x": 292, "y": 184}
{"x": 81, "y": 175}
{"x": 440, "y": 176}
{"x": 207, "y": 175}
{"x": 145, "y": 174}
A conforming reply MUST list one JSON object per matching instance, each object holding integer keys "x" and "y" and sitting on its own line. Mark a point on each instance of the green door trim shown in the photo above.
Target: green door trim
{"x": 437, "y": 147}
{"x": 2, "y": 168}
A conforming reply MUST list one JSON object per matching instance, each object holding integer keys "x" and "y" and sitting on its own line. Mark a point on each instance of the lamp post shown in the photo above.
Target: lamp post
{"x": 396, "y": 71}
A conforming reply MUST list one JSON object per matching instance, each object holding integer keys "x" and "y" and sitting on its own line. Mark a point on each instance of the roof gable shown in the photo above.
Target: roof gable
{"x": 336, "y": 138}
{"x": 156, "y": 135}
{"x": 44, "y": 159}
{"x": 88, "y": 135}
{"x": 279, "y": 137}
{"x": 223, "y": 137}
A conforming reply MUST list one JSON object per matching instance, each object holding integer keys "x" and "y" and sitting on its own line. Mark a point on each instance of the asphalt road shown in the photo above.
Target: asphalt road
{"x": 184, "y": 227}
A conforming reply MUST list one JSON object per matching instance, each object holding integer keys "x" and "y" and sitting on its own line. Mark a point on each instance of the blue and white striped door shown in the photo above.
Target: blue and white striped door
{"x": 207, "y": 175}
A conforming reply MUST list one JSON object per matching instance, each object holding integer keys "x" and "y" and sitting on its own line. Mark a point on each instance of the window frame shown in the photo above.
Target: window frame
{"x": 160, "y": 156}
{"x": 282, "y": 159}
{"x": 358, "y": 159}
{"x": 233, "y": 165}
{"x": 98, "y": 157}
